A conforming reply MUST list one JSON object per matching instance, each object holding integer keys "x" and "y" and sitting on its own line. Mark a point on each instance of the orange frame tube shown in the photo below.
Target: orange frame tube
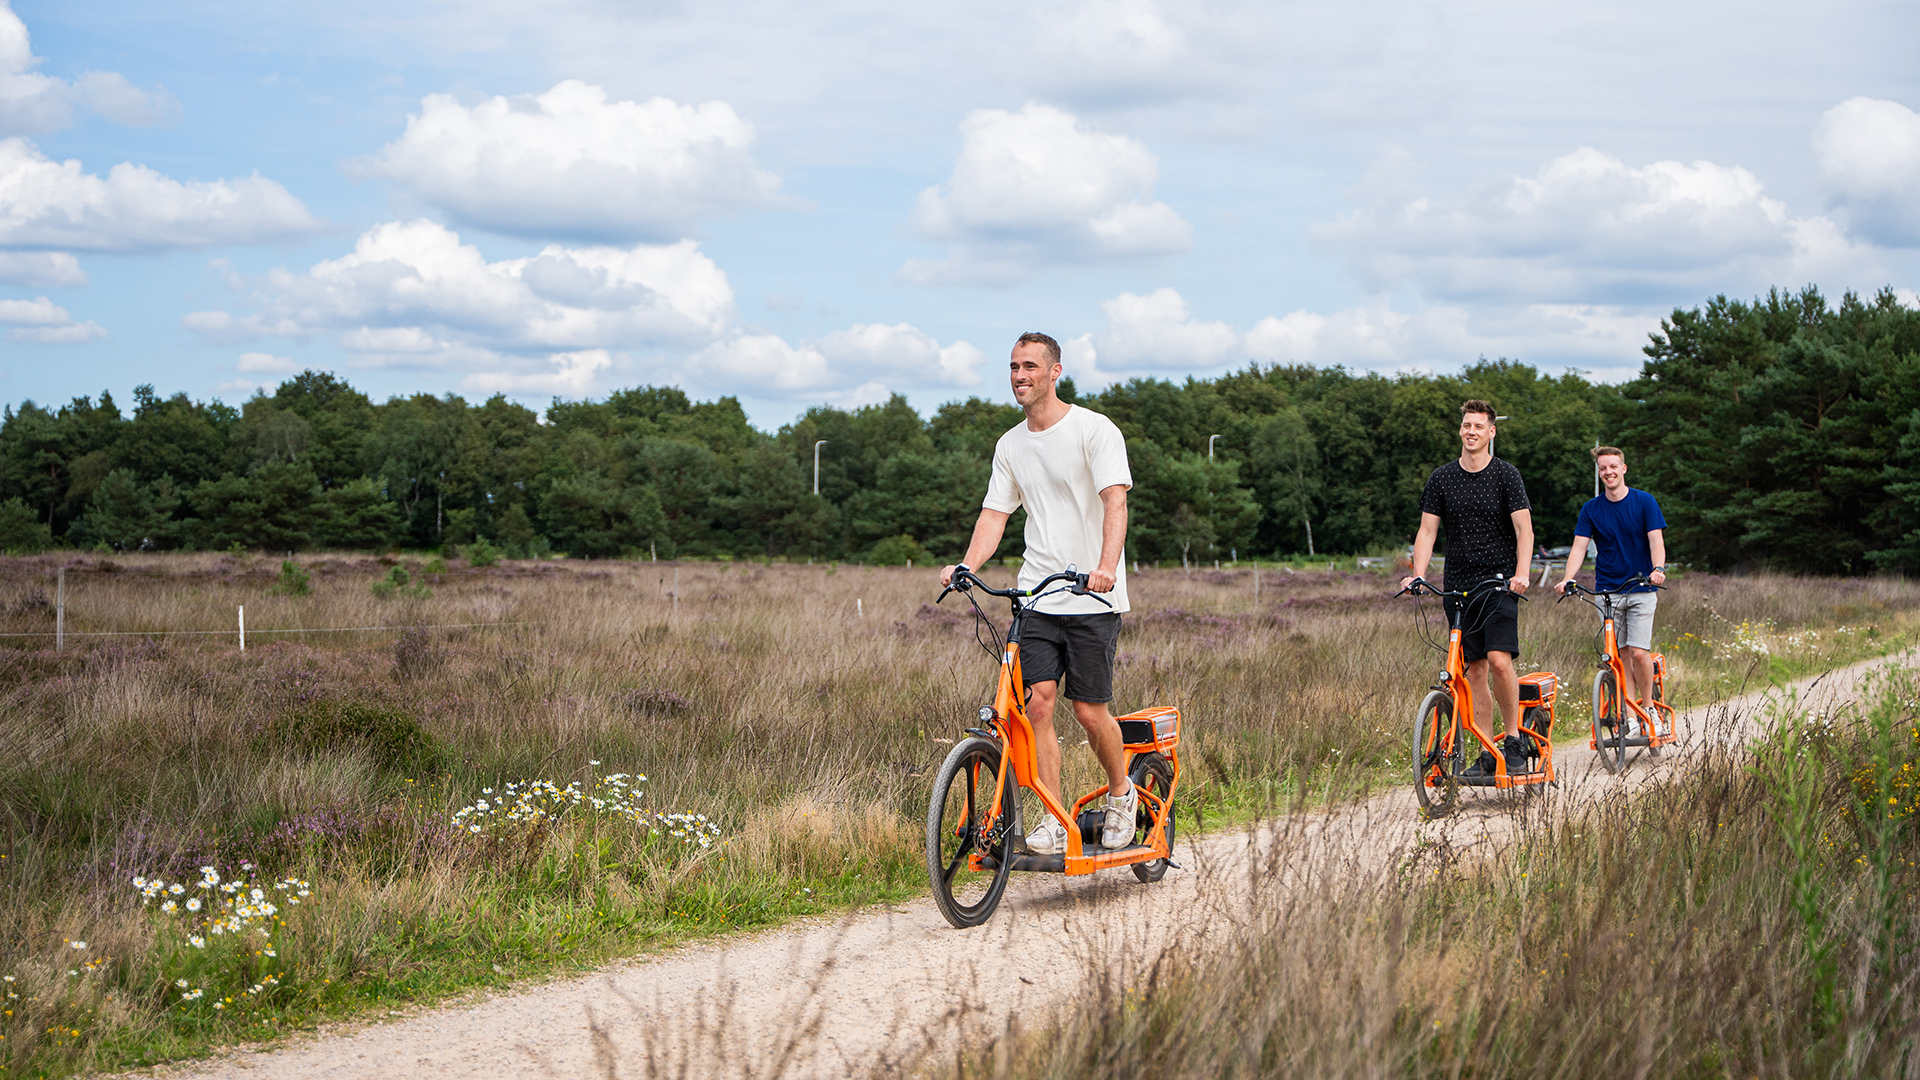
{"x": 1457, "y": 688}
{"x": 1610, "y": 647}
{"x": 1016, "y": 732}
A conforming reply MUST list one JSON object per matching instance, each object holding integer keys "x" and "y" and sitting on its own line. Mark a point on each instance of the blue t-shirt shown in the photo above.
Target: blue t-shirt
{"x": 1619, "y": 530}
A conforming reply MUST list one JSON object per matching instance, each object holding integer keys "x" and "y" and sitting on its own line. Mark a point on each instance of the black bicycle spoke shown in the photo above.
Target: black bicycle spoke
{"x": 958, "y": 858}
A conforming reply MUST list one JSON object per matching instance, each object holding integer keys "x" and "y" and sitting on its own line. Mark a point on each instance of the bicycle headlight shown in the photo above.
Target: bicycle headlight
{"x": 986, "y": 714}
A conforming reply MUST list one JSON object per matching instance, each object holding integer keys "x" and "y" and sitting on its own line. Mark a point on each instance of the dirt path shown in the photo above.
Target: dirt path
{"x": 834, "y": 998}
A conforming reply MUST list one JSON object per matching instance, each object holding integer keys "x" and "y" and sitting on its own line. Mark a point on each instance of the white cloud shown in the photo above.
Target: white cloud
{"x": 41, "y": 269}
{"x": 1156, "y": 332}
{"x": 31, "y": 103}
{"x": 564, "y": 321}
{"x": 1376, "y": 337}
{"x": 571, "y": 374}
{"x": 569, "y": 162}
{"x": 1869, "y": 153}
{"x": 44, "y": 322}
{"x": 49, "y": 204}
{"x": 1586, "y": 229}
{"x": 1037, "y": 188}
{"x": 412, "y": 288}
{"x": 1156, "y": 335}
{"x": 867, "y": 355}
{"x": 1127, "y": 54}
{"x": 260, "y": 361}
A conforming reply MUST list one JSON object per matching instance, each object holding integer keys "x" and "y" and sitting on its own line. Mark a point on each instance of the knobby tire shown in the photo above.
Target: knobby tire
{"x": 1151, "y": 772}
{"x": 1436, "y": 741}
{"x": 1609, "y": 722}
{"x": 962, "y": 797}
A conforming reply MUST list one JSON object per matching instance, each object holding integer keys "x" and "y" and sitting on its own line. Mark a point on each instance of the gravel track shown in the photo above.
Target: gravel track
{"x": 874, "y": 991}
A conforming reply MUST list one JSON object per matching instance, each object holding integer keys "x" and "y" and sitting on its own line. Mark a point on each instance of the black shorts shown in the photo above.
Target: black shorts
{"x": 1079, "y": 647}
{"x": 1492, "y": 625}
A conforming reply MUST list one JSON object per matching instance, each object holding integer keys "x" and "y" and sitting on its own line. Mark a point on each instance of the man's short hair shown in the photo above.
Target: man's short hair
{"x": 1602, "y": 451}
{"x": 1034, "y": 337}
{"x": 1475, "y": 405}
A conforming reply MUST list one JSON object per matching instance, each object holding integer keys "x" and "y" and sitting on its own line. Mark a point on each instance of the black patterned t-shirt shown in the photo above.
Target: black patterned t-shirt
{"x": 1476, "y": 511}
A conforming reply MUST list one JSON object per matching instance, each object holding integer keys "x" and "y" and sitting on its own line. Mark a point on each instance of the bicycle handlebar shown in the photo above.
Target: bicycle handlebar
{"x": 1574, "y": 588}
{"x": 964, "y": 580}
{"x": 1423, "y": 587}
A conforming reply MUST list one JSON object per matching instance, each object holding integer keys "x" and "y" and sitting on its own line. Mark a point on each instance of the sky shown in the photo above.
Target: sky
{"x": 828, "y": 203}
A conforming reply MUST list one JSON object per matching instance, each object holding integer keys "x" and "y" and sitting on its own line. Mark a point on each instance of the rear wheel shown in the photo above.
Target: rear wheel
{"x": 1609, "y": 731}
{"x": 1436, "y": 756}
{"x": 962, "y": 798}
{"x": 1661, "y": 716}
{"x": 1152, "y": 773}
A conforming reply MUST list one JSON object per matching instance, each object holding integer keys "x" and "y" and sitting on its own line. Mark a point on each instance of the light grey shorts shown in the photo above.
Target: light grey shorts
{"x": 1633, "y": 619}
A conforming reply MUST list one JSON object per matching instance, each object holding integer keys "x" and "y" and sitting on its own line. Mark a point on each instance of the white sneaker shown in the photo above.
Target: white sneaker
{"x": 1049, "y": 839}
{"x": 1117, "y": 831}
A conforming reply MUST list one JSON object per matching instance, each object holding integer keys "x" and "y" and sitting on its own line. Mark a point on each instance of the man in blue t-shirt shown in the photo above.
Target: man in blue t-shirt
{"x": 1626, "y": 525}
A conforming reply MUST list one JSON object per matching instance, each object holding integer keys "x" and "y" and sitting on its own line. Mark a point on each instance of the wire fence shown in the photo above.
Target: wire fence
{"x": 60, "y": 633}
{"x": 256, "y": 631}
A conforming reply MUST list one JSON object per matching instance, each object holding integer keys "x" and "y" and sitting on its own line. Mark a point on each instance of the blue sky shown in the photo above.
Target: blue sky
{"x": 831, "y": 202}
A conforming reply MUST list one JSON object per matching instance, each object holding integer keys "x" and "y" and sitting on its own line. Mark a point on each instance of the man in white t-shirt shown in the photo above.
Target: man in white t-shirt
{"x": 1068, "y": 467}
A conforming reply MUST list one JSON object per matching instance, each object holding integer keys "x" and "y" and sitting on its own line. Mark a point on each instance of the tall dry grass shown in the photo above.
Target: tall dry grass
{"x": 801, "y": 708}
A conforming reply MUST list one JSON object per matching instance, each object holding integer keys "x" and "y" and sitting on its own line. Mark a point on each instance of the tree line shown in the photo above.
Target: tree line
{"x": 1783, "y": 431}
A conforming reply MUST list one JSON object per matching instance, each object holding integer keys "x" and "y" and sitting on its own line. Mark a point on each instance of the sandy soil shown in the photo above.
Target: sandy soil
{"x": 876, "y": 990}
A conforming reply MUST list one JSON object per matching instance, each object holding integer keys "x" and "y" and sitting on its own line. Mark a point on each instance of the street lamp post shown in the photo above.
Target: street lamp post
{"x": 816, "y": 465}
{"x": 1210, "y": 439}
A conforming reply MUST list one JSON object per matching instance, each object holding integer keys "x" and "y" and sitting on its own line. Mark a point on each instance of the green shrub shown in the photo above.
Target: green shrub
{"x": 394, "y": 740}
{"x": 899, "y": 551}
{"x": 397, "y": 583}
{"x": 293, "y": 580}
{"x": 481, "y": 554}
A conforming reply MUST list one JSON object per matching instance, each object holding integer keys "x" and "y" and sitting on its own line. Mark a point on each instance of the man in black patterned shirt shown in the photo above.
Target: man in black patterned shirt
{"x": 1482, "y": 503}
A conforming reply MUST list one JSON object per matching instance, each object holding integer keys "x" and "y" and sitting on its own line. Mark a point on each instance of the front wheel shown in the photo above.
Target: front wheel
{"x": 1151, "y": 772}
{"x": 1436, "y": 755}
{"x": 1609, "y": 728}
{"x": 963, "y": 793}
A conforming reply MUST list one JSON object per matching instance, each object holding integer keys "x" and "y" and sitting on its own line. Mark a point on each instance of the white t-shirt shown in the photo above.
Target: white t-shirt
{"x": 1058, "y": 474}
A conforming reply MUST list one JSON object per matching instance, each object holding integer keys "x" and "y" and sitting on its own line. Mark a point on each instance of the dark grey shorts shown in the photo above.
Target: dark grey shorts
{"x": 1079, "y": 647}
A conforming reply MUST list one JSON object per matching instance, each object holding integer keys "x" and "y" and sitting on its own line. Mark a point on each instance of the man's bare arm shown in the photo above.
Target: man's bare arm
{"x": 987, "y": 532}
{"x": 1575, "y": 557}
{"x": 1523, "y": 558}
{"x": 1113, "y": 537}
{"x": 1423, "y": 547}
{"x": 1657, "y": 547}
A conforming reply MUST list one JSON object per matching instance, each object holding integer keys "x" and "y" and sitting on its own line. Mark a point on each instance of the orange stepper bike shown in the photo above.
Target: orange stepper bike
{"x": 1619, "y": 722}
{"x": 975, "y": 835}
{"x": 1440, "y": 749}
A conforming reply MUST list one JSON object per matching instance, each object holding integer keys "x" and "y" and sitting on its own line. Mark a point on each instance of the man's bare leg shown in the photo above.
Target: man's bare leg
{"x": 1496, "y": 669}
{"x": 1639, "y": 666}
{"x": 1046, "y": 744}
{"x": 1103, "y": 735}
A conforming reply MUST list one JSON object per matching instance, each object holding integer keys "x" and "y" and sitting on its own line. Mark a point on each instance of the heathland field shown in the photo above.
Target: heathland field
{"x": 563, "y": 761}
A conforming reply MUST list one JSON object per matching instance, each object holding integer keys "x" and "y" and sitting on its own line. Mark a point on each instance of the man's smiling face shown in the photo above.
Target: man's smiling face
{"x": 1613, "y": 472}
{"x": 1476, "y": 431}
{"x": 1032, "y": 372}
